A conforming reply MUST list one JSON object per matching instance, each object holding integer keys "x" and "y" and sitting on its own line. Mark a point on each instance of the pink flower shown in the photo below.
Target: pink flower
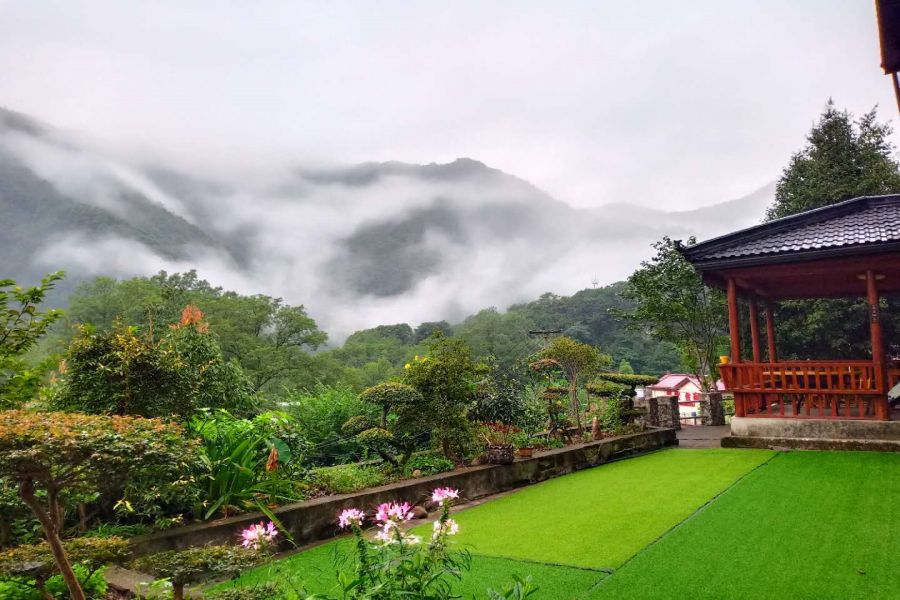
{"x": 393, "y": 511}
{"x": 259, "y": 536}
{"x": 448, "y": 527}
{"x": 351, "y": 516}
{"x": 445, "y": 494}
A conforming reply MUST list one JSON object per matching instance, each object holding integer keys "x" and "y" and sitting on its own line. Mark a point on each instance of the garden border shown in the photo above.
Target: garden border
{"x": 315, "y": 520}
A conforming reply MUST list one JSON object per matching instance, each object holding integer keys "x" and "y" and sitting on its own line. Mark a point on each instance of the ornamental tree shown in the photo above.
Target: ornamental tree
{"x": 195, "y": 565}
{"x": 51, "y": 455}
{"x": 448, "y": 379}
{"x": 403, "y": 422}
{"x": 574, "y": 359}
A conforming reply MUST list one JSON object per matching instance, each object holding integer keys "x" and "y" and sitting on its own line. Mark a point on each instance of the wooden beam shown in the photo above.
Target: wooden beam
{"x": 734, "y": 324}
{"x": 770, "y": 331}
{"x": 882, "y": 410}
{"x": 754, "y": 331}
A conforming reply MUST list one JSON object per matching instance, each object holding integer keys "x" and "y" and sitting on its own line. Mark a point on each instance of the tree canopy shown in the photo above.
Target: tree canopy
{"x": 22, "y": 324}
{"x": 843, "y": 158}
{"x": 672, "y": 303}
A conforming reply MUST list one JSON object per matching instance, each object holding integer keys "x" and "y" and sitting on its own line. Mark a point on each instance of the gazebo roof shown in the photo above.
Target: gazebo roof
{"x": 818, "y": 253}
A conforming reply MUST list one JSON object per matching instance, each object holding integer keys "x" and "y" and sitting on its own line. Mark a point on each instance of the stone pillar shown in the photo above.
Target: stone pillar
{"x": 711, "y": 412}
{"x": 662, "y": 411}
{"x": 674, "y": 413}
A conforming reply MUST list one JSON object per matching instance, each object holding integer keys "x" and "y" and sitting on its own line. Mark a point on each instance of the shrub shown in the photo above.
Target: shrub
{"x": 61, "y": 454}
{"x": 402, "y": 425}
{"x": 125, "y": 372}
{"x": 238, "y": 466}
{"x": 344, "y": 479}
{"x": 611, "y": 418}
{"x": 33, "y": 568}
{"x": 94, "y": 586}
{"x": 318, "y": 417}
{"x": 428, "y": 464}
{"x": 182, "y": 567}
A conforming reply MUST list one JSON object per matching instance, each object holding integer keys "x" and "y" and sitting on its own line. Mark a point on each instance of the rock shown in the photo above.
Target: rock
{"x": 417, "y": 473}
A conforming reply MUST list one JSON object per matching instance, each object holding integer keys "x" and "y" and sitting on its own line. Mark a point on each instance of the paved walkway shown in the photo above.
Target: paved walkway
{"x": 700, "y": 436}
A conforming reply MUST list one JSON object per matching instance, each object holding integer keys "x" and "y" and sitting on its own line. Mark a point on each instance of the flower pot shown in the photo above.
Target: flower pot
{"x": 525, "y": 452}
{"x": 501, "y": 454}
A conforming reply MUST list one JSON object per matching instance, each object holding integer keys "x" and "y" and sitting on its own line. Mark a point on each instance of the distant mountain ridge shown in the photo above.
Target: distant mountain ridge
{"x": 360, "y": 245}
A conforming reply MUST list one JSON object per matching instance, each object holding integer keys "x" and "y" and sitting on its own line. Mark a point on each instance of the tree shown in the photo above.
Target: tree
{"x": 403, "y": 425}
{"x": 842, "y": 159}
{"x": 574, "y": 359}
{"x": 124, "y": 372}
{"x": 49, "y": 455}
{"x": 426, "y": 330}
{"x": 448, "y": 380}
{"x": 672, "y": 303}
{"x": 270, "y": 339}
{"x": 22, "y": 324}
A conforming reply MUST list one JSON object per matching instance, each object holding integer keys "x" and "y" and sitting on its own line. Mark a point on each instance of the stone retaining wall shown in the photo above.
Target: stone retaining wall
{"x": 314, "y": 520}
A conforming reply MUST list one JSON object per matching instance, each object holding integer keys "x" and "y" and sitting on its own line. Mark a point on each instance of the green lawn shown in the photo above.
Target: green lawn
{"x": 599, "y": 518}
{"x": 564, "y": 531}
{"x": 807, "y": 525}
{"x": 316, "y": 571}
{"x": 796, "y": 525}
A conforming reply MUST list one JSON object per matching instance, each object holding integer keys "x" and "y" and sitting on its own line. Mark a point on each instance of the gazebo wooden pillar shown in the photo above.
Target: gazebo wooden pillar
{"x": 770, "y": 331}
{"x": 877, "y": 337}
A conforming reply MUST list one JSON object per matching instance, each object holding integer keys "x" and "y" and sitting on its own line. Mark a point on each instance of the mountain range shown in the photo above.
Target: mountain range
{"x": 359, "y": 245}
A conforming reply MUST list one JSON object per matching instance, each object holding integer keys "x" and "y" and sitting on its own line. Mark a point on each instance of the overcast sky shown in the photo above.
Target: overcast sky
{"x": 670, "y": 104}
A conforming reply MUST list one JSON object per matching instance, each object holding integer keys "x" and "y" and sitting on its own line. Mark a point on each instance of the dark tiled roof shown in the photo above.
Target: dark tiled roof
{"x": 865, "y": 221}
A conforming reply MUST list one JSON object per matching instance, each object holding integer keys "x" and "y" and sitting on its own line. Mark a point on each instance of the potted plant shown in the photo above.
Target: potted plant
{"x": 524, "y": 444}
{"x": 498, "y": 440}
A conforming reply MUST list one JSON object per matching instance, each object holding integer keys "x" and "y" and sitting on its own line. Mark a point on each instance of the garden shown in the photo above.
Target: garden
{"x": 149, "y": 427}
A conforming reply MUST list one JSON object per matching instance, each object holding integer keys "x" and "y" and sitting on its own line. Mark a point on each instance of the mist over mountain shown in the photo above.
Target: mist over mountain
{"x": 358, "y": 245}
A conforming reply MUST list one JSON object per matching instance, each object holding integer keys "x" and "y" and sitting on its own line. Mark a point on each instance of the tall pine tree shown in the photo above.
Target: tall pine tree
{"x": 844, "y": 158}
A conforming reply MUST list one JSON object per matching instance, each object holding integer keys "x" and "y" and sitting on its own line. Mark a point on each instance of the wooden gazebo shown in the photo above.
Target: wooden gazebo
{"x": 850, "y": 249}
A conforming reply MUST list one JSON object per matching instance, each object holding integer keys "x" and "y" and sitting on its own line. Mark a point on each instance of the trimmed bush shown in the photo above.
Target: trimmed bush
{"x": 344, "y": 479}
{"x": 631, "y": 380}
{"x": 194, "y": 565}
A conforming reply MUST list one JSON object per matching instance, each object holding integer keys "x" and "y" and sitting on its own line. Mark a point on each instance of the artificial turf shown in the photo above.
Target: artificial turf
{"x": 806, "y": 525}
{"x": 598, "y": 518}
{"x": 315, "y": 571}
{"x": 563, "y": 532}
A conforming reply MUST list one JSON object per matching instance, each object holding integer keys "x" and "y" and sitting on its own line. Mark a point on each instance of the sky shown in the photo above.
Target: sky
{"x": 665, "y": 104}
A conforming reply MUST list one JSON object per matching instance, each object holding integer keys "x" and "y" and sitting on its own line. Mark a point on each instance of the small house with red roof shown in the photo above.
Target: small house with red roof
{"x": 685, "y": 387}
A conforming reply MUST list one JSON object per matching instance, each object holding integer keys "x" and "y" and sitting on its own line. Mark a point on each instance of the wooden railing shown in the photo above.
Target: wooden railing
{"x": 822, "y": 389}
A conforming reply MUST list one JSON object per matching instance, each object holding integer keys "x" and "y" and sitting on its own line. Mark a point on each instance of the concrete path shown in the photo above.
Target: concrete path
{"x": 702, "y": 436}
